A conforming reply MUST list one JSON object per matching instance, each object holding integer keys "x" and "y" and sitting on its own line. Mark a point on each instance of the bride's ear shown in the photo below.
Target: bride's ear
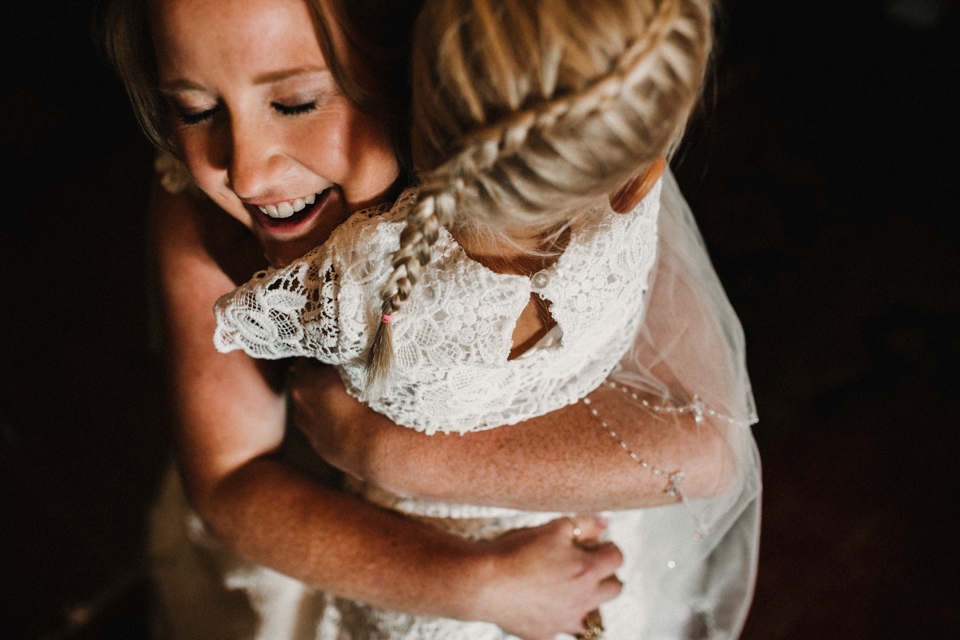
{"x": 628, "y": 197}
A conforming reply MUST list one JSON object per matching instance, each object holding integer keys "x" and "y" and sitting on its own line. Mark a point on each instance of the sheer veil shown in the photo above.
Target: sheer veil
{"x": 699, "y": 559}
{"x": 691, "y": 342}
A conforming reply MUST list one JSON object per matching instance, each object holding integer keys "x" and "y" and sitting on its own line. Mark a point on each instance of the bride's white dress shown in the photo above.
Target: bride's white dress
{"x": 452, "y": 339}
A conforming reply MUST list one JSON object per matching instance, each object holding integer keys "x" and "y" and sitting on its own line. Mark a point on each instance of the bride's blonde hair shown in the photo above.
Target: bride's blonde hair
{"x": 526, "y": 110}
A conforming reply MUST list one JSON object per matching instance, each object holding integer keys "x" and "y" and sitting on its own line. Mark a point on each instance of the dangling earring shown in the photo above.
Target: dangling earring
{"x": 627, "y": 198}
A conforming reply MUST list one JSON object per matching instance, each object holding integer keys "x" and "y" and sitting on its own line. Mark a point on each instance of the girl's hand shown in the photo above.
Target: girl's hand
{"x": 339, "y": 428}
{"x": 543, "y": 581}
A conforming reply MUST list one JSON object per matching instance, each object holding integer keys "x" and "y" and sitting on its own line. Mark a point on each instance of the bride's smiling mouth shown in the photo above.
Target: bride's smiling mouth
{"x": 292, "y": 215}
{"x": 287, "y": 209}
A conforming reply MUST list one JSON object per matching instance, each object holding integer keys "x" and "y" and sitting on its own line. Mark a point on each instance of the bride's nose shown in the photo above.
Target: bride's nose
{"x": 254, "y": 163}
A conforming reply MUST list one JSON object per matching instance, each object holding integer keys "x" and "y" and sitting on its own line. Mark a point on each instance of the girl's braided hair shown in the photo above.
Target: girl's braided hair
{"x": 524, "y": 111}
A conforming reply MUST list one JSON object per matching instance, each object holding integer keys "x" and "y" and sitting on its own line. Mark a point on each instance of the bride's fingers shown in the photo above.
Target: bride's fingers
{"x": 587, "y": 527}
{"x": 609, "y": 588}
{"x": 606, "y": 558}
{"x": 591, "y": 624}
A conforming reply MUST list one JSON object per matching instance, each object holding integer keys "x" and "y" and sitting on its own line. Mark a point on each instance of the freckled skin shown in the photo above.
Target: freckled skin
{"x": 219, "y": 57}
{"x": 231, "y": 410}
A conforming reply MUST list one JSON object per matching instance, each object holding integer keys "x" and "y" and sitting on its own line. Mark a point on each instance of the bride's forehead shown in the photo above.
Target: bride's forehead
{"x": 221, "y": 19}
{"x": 231, "y": 31}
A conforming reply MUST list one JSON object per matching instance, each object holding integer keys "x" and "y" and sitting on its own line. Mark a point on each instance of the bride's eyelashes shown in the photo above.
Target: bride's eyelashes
{"x": 195, "y": 118}
{"x": 190, "y": 118}
{"x": 294, "y": 110}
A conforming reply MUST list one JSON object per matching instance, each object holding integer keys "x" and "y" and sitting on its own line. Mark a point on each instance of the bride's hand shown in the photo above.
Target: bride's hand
{"x": 543, "y": 581}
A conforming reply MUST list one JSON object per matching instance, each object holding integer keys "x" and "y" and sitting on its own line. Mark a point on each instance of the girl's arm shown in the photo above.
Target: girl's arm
{"x": 231, "y": 417}
{"x": 566, "y": 461}
{"x": 563, "y": 461}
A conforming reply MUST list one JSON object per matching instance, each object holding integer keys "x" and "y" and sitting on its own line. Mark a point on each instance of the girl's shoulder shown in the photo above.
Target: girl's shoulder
{"x": 395, "y": 211}
{"x": 599, "y": 232}
{"x": 365, "y": 233}
{"x": 382, "y": 219}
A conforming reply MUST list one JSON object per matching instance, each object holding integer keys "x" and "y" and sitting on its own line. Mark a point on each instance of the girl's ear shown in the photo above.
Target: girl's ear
{"x": 627, "y": 198}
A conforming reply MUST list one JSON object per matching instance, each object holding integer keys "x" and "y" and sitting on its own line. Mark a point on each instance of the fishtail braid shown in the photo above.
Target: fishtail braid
{"x": 526, "y": 111}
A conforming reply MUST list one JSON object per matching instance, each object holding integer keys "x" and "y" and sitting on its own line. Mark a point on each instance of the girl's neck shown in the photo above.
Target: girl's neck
{"x": 514, "y": 253}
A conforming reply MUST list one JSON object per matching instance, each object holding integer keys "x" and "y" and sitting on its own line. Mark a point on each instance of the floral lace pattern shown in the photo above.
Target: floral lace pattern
{"x": 452, "y": 339}
{"x": 453, "y": 336}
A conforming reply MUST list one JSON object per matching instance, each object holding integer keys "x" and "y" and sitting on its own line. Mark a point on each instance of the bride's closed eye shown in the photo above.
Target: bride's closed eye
{"x": 296, "y": 109}
{"x": 197, "y": 117}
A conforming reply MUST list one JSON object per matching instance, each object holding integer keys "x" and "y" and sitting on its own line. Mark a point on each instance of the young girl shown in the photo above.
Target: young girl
{"x": 507, "y": 286}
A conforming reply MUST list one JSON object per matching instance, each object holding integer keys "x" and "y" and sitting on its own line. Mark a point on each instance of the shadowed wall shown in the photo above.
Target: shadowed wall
{"x": 823, "y": 173}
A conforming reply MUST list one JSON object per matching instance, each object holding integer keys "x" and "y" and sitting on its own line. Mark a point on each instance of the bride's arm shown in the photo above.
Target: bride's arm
{"x": 563, "y": 461}
{"x": 230, "y": 424}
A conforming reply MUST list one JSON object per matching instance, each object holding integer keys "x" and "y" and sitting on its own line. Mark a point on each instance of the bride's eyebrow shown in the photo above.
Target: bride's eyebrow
{"x": 277, "y": 76}
{"x": 179, "y": 85}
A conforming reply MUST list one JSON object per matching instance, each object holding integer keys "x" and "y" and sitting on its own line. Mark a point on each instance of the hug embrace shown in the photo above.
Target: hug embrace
{"x": 448, "y": 355}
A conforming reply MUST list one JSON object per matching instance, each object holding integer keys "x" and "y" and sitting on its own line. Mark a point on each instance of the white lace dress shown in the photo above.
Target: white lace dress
{"x": 452, "y": 338}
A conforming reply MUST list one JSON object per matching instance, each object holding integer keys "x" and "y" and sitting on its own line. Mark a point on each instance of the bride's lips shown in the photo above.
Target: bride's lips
{"x": 295, "y": 223}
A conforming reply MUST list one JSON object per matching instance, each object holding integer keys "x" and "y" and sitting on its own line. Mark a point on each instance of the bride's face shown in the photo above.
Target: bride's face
{"x": 259, "y": 120}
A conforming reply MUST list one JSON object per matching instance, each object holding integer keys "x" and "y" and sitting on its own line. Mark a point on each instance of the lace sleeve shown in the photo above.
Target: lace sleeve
{"x": 320, "y": 305}
{"x": 282, "y": 313}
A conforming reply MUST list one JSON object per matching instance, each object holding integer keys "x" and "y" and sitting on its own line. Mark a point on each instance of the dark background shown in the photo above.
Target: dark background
{"x": 824, "y": 176}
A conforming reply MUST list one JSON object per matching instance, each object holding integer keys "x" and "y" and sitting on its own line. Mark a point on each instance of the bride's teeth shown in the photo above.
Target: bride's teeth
{"x": 287, "y": 209}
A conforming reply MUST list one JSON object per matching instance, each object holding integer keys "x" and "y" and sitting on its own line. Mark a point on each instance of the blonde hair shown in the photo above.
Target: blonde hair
{"x": 377, "y": 31}
{"x": 525, "y": 111}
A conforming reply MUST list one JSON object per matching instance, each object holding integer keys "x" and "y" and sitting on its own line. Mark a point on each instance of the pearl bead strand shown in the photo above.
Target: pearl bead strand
{"x": 674, "y": 480}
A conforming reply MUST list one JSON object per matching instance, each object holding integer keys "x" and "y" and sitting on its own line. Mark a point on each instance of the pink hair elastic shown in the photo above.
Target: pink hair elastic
{"x": 385, "y": 318}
